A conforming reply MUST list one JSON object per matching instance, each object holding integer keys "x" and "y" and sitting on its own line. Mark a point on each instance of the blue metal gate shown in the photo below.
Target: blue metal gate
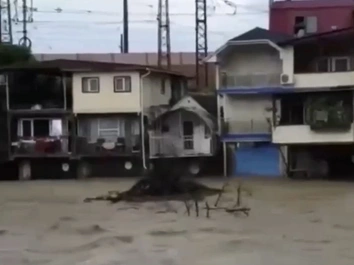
{"x": 257, "y": 160}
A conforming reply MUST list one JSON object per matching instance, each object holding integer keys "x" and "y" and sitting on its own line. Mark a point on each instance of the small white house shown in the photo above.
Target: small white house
{"x": 186, "y": 130}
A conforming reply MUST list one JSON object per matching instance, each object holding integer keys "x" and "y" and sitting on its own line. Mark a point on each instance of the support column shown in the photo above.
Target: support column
{"x": 24, "y": 170}
{"x": 225, "y": 159}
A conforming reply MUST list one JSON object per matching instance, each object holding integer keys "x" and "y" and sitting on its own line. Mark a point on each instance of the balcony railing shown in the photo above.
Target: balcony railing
{"x": 101, "y": 147}
{"x": 246, "y": 127}
{"x": 254, "y": 80}
{"x": 174, "y": 146}
{"x": 41, "y": 146}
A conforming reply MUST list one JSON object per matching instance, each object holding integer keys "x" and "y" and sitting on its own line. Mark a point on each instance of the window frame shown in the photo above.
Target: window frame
{"x": 87, "y": 79}
{"x": 120, "y": 123}
{"x": 32, "y": 120}
{"x": 333, "y": 63}
{"x": 123, "y": 78}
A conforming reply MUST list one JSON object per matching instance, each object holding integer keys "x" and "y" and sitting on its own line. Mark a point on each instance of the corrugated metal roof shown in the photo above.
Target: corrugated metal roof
{"x": 86, "y": 66}
{"x": 182, "y": 62}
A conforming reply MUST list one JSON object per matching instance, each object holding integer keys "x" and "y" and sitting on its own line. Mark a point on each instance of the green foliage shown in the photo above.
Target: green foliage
{"x": 13, "y": 54}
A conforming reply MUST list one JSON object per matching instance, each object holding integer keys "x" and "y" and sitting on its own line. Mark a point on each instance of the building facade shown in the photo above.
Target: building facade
{"x": 281, "y": 97}
{"x": 95, "y": 116}
{"x": 300, "y": 18}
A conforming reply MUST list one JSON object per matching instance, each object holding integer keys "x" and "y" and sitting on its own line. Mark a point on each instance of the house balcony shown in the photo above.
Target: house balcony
{"x": 249, "y": 84}
{"x": 102, "y": 148}
{"x": 246, "y": 131}
{"x": 302, "y": 134}
{"x": 51, "y": 146}
{"x": 171, "y": 146}
{"x": 324, "y": 80}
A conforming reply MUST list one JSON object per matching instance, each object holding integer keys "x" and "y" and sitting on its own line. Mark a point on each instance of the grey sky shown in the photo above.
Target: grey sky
{"x": 75, "y": 30}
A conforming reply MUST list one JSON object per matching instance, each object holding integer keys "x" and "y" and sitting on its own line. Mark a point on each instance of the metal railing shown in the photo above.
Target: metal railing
{"x": 58, "y": 145}
{"x": 101, "y": 147}
{"x": 253, "y": 80}
{"x": 245, "y": 127}
{"x": 174, "y": 146}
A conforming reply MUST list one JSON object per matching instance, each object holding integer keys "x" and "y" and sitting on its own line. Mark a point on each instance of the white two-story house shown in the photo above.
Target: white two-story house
{"x": 113, "y": 105}
{"x": 285, "y": 103}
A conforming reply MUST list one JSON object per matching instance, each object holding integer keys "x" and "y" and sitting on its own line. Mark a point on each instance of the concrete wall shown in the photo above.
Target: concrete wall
{"x": 154, "y": 94}
{"x": 300, "y": 134}
{"x": 171, "y": 143}
{"x": 107, "y": 101}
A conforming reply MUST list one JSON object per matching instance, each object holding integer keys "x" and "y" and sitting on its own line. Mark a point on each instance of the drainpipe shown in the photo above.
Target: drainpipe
{"x": 142, "y": 115}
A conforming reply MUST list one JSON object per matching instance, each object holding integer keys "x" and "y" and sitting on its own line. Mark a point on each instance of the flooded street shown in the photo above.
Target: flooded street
{"x": 46, "y": 222}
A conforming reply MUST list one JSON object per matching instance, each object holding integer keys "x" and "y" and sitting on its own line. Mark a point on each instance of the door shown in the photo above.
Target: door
{"x": 188, "y": 134}
{"x": 257, "y": 159}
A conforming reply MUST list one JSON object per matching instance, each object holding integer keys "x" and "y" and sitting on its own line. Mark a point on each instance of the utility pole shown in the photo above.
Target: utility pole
{"x": 164, "y": 39}
{"x": 201, "y": 42}
{"x": 5, "y": 22}
{"x": 125, "y": 27}
{"x": 25, "y": 40}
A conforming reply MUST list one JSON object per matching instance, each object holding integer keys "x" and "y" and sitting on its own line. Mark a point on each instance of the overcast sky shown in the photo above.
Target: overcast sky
{"x": 75, "y": 29}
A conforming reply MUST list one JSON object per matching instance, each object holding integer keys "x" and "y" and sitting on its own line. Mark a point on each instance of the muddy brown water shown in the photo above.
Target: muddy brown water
{"x": 47, "y": 223}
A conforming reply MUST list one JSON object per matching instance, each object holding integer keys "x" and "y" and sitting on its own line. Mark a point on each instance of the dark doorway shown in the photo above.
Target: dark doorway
{"x": 188, "y": 132}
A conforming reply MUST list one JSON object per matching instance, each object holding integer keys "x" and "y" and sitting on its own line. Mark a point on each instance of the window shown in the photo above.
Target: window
{"x": 90, "y": 85}
{"x": 110, "y": 129}
{"x": 333, "y": 64}
{"x": 323, "y": 65}
{"x": 305, "y": 25}
{"x": 40, "y": 127}
{"x": 311, "y": 25}
{"x": 122, "y": 84}
{"x": 340, "y": 64}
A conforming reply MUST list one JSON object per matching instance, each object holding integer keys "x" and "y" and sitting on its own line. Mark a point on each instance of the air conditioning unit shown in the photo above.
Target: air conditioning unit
{"x": 286, "y": 79}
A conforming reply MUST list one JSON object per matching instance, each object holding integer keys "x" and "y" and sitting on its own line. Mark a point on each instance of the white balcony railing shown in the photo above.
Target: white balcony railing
{"x": 253, "y": 80}
{"x": 301, "y": 134}
{"x": 175, "y": 146}
{"x": 246, "y": 127}
{"x": 317, "y": 80}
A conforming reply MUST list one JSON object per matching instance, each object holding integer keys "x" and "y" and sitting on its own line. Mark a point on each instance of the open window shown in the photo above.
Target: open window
{"x": 37, "y": 128}
{"x": 305, "y": 25}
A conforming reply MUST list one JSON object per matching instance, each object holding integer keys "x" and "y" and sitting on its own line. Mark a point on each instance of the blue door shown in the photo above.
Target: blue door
{"x": 259, "y": 159}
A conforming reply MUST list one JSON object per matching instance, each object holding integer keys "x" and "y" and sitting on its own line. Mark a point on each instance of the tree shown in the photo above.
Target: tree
{"x": 14, "y": 54}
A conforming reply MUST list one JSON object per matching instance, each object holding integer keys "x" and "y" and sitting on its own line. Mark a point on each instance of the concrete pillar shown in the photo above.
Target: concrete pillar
{"x": 83, "y": 170}
{"x": 24, "y": 170}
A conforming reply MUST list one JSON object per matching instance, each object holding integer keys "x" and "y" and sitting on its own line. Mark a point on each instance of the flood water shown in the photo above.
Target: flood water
{"x": 46, "y": 222}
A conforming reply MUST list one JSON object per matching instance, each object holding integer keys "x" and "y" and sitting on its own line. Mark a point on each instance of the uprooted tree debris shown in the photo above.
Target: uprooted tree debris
{"x": 165, "y": 183}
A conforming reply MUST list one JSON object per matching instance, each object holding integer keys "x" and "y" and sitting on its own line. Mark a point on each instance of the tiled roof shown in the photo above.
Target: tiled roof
{"x": 261, "y": 34}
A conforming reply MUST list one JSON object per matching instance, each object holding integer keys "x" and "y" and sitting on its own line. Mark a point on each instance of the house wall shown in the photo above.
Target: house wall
{"x": 247, "y": 114}
{"x": 154, "y": 94}
{"x": 252, "y": 61}
{"x": 171, "y": 143}
{"x": 328, "y": 13}
{"x": 106, "y": 101}
{"x": 300, "y": 134}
